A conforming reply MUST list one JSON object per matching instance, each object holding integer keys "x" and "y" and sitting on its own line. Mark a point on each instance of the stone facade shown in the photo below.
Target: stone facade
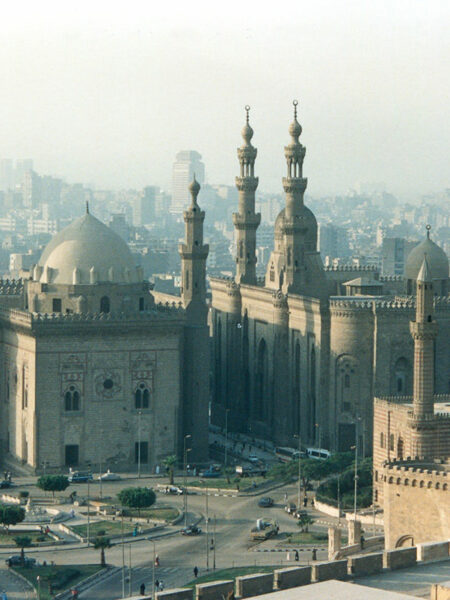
{"x": 293, "y": 353}
{"x": 96, "y": 373}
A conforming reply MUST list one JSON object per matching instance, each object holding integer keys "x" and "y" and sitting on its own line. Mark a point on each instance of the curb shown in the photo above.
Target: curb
{"x": 88, "y": 582}
{"x": 25, "y": 580}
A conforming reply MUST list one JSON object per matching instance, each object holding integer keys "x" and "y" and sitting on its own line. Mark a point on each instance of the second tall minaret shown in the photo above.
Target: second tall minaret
{"x": 246, "y": 221}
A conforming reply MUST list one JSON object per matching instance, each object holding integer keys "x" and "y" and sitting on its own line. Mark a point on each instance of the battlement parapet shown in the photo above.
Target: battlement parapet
{"x": 352, "y": 268}
{"x": 11, "y": 287}
{"x": 392, "y": 278}
{"x": 417, "y": 475}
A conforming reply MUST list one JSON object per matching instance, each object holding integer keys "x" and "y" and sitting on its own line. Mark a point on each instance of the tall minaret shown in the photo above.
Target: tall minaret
{"x": 246, "y": 221}
{"x": 196, "y": 334}
{"x": 424, "y": 331}
{"x": 193, "y": 258}
{"x": 295, "y": 226}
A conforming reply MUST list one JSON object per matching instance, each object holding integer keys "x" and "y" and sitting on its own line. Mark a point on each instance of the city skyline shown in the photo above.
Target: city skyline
{"x": 111, "y": 97}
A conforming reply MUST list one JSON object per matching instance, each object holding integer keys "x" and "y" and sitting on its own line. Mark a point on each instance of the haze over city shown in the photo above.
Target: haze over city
{"x": 108, "y": 94}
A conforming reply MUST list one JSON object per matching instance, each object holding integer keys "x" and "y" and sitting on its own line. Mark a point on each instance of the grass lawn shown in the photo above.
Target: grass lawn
{"x": 307, "y": 537}
{"x": 34, "y": 535}
{"x": 62, "y": 577}
{"x": 109, "y": 527}
{"x": 163, "y": 513}
{"x": 245, "y": 483}
{"x": 231, "y": 573}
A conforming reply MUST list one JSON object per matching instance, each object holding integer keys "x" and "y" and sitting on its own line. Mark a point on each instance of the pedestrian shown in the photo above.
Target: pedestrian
{"x": 305, "y": 501}
{"x": 142, "y": 589}
{"x": 156, "y": 561}
{"x": 312, "y": 502}
{"x": 314, "y": 554}
{"x": 161, "y": 586}
{"x": 195, "y": 572}
{"x": 4, "y": 596}
{"x": 5, "y": 475}
{"x": 156, "y": 584}
{"x": 9, "y": 476}
{"x": 297, "y": 556}
{"x": 285, "y": 498}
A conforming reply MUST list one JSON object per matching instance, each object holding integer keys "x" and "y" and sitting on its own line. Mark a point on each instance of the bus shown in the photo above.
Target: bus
{"x": 319, "y": 453}
{"x": 285, "y": 454}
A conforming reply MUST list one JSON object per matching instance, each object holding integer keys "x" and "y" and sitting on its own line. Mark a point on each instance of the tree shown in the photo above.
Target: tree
{"x": 23, "y": 541}
{"x": 304, "y": 522}
{"x": 100, "y": 543}
{"x": 170, "y": 463}
{"x": 228, "y": 471}
{"x": 138, "y": 497}
{"x": 53, "y": 483}
{"x": 11, "y": 515}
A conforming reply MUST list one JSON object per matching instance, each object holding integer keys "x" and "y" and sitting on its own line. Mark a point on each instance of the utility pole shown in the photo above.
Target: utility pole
{"x": 299, "y": 497}
{"x": 214, "y": 546}
{"x": 207, "y": 525}
{"x": 129, "y": 560}
{"x": 88, "y": 529}
{"x": 154, "y": 565}
{"x": 123, "y": 557}
{"x": 139, "y": 444}
{"x": 186, "y": 437}
{"x": 227, "y": 410}
{"x": 100, "y": 465}
{"x": 339, "y": 499}
{"x": 356, "y": 468}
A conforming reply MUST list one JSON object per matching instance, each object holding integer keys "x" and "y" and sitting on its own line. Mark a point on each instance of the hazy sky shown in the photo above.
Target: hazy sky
{"x": 108, "y": 92}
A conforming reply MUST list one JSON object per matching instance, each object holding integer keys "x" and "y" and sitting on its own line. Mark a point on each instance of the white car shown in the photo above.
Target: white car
{"x": 108, "y": 476}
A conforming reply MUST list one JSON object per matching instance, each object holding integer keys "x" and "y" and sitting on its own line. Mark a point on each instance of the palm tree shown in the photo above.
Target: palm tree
{"x": 170, "y": 462}
{"x": 102, "y": 543}
{"x": 304, "y": 522}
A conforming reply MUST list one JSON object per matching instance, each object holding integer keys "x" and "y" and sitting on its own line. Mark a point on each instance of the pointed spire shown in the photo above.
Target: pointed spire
{"x": 247, "y": 131}
{"x": 295, "y": 129}
{"x": 87, "y": 207}
{"x": 424, "y": 274}
{"x": 194, "y": 188}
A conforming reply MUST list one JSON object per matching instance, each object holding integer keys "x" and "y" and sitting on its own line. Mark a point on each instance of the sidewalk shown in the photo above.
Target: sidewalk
{"x": 15, "y": 588}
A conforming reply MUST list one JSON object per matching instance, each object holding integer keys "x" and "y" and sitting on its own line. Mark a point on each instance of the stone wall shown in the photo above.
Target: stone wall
{"x": 433, "y": 551}
{"x": 400, "y": 558}
{"x": 425, "y": 489}
{"x": 366, "y": 564}
{"x": 254, "y": 585}
{"x": 293, "y": 577}
{"x": 214, "y": 590}
{"x": 330, "y": 570}
{"x": 175, "y": 594}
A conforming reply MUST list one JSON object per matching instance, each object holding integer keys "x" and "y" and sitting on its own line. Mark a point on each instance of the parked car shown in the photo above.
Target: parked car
{"x": 265, "y": 502}
{"x": 108, "y": 476}
{"x": 172, "y": 489}
{"x": 16, "y": 560}
{"x": 209, "y": 473}
{"x": 79, "y": 477}
{"x": 253, "y": 459}
{"x": 191, "y": 530}
{"x": 290, "y": 508}
{"x": 6, "y": 484}
{"x": 251, "y": 471}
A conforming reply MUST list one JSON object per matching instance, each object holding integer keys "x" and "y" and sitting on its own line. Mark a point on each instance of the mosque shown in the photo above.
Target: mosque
{"x": 97, "y": 371}
{"x": 302, "y": 353}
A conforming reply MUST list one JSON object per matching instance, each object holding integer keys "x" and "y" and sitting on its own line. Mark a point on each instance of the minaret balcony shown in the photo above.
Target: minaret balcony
{"x": 247, "y": 184}
{"x": 423, "y": 331}
{"x": 246, "y": 221}
{"x": 294, "y": 185}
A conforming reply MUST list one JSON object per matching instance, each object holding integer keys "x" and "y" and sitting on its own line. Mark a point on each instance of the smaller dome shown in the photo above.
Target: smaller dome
{"x": 295, "y": 130}
{"x": 436, "y": 259}
{"x": 247, "y": 134}
{"x": 194, "y": 187}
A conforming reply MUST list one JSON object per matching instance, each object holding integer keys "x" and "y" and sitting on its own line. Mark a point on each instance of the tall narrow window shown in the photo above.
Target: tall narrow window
{"x": 56, "y": 305}
{"x": 72, "y": 399}
{"x": 142, "y": 396}
{"x": 104, "y": 304}
{"x": 141, "y": 304}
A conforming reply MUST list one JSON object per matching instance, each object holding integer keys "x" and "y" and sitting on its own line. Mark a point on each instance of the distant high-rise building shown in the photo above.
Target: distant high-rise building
{"x": 22, "y": 166}
{"x": 187, "y": 164}
{"x": 119, "y": 225}
{"x": 395, "y": 251}
{"x": 144, "y": 206}
{"x": 31, "y": 189}
{"x": 6, "y": 174}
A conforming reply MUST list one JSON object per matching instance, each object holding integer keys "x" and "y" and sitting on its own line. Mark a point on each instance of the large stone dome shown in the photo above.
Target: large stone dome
{"x": 87, "y": 251}
{"x": 436, "y": 258}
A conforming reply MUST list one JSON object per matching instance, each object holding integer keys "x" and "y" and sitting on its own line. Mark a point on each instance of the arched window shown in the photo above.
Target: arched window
{"x": 241, "y": 249}
{"x": 400, "y": 372}
{"x": 142, "y": 396}
{"x": 186, "y": 280}
{"x": 72, "y": 399}
{"x": 104, "y": 304}
{"x": 391, "y": 442}
{"x": 260, "y": 380}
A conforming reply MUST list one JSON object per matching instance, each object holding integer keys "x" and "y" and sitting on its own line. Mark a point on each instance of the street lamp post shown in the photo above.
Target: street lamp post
{"x": 207, "y": 524}
{"x": 299, "y": 471}
{"x": 227, "y": 410}
{"x": 123, "y": 555}
{"x": 186, "y": 450}
{"x": 154, "y": 565}
{"x": 319, "y": 441}
{"x": 339, "y": 498}
{"x": 130, "y": 585}
{"x": 88, "y": 530}
{"x": 38, "y": 579}
{"x": 214, "y": 544}
{"x": 100, "y": 465}
{"x": 139, "y": 444}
